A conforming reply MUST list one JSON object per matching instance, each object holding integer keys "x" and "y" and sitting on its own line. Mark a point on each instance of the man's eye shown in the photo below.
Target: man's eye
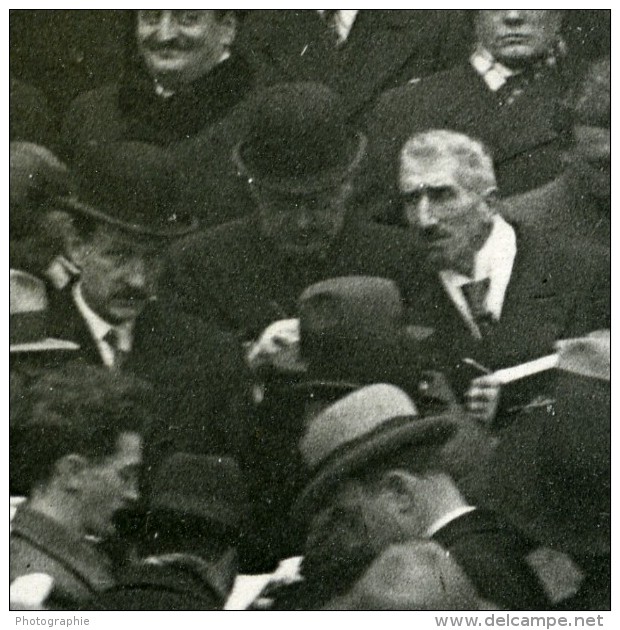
{"x": 441, "y": 194}
{"x": 412, "y": 198}
{"x": 149, "y": 16}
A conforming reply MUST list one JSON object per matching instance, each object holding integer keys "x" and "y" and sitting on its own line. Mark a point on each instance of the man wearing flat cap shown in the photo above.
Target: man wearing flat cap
{"x": 115, "y": 227}
{"x": 379, "y": 475}
{"x": 298, "y": 161}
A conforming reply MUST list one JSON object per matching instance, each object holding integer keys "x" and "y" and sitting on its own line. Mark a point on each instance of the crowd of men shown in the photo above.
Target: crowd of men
{"x": 321, "y": 284}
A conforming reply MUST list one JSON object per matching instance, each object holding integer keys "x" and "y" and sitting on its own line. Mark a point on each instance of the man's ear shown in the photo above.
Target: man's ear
{"x": 402, "y": 486}
{"x": 68, "y": 471}
{"x": 73, "y": 243}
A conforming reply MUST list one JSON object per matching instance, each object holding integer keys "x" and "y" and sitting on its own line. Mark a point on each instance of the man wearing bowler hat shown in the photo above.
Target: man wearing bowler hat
{"x": 299, "y": 160}
{"x": 116, "y": 226}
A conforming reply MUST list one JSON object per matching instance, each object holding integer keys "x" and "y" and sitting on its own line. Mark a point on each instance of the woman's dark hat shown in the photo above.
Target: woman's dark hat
{"x": 299, "y": 141}
{"x": 130, "y": 185}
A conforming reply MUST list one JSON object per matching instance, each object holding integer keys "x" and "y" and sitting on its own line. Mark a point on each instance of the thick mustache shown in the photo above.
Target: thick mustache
{"x": 432, "y": 234}
{"x": 168, "y": 46}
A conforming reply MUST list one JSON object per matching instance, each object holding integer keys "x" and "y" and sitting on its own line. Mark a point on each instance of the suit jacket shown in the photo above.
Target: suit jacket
{"x": 40, "y": 545}
{"x": 562, "y": 209}
{"x": 492, "y": 555}
{"x": 197, "y": 373}
{"x": 559, "y": 288}
{"x": 198, "y": 127}
{"x": 384, "y": 49}
{"x": 235, "y": 278}
{"x": 521, "y": 137}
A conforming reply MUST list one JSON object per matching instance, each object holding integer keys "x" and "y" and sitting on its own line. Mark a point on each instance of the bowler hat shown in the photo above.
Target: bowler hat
{"x": 130, "y": 185}
{"x": 208, "y": 487}
{"x": 299, "y": 140}
{"x": 358, "y": 430}
{"x": 551, "y": 472}
{"x": 353, "y": 332}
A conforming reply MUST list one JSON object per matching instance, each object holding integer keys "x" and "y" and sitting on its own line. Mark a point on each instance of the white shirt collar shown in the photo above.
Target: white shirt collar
{"x": 99, "y": 328}
{"x": 494, "y": 261}
{"x": 494, "y": 73}
{"x": 448, "y": 518}
{"x": 346, "y": 18}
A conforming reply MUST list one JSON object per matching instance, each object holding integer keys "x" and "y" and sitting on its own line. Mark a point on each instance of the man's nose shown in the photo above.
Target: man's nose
{"x": 425, "y": 217}
{"x": 167, "y": 27}
{"x": 136, "y": 273}
{"x": 513, "y": 16}
{"x": 132, "y": 490}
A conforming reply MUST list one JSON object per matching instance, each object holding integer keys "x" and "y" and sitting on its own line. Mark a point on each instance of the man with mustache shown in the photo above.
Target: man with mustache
{"x": 497, "y": 295}
{"x": 183, "y": 90}
{"x": 504, "y": 94}
{"x": 115, "y": 227}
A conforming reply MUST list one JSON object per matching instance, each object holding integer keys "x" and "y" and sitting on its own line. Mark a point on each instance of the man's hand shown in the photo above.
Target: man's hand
{"x": 482, "y": 399}
{"x": 277, "y": 347}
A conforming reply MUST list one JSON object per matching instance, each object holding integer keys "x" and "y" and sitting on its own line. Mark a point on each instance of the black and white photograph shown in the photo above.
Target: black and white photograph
{"x": 310, "y": 310}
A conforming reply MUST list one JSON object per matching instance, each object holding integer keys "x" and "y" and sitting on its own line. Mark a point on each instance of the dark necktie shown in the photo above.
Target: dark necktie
{"x": 476, "y": 295}
{"x": 112, "y": 338}
{"x": 517, "y": 84}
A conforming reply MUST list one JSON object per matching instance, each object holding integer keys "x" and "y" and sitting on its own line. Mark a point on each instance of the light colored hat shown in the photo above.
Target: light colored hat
{"x": 360, "y": 428}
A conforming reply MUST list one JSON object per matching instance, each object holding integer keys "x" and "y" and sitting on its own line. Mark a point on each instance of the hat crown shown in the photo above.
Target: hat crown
{"x": 299, "y": 138}
{"x": 350, "y": 306}
{"x": 209, "y": 487}
{"x": 351, "y": 418}
{"x": 133, "y": 185}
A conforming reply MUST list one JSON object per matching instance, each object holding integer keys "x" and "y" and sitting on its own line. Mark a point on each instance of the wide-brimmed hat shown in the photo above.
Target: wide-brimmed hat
{"x": 208, "y": 487}
{"x": 130, "y": 185}
{"x": 551, "y": 473}
{"x": 353, "y": 332}
{"x": 299, "y": 140}
{"x": 358, "y": 430}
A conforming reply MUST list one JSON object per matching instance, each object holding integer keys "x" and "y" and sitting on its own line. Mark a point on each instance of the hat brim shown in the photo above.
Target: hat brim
{"x": 435, "y": 429}
{"x": 306, "y": 184}
{"x": 174, "y": 231}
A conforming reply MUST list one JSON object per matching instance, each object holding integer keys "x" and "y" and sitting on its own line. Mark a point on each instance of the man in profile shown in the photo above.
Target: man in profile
{"x": 75, "y": 452}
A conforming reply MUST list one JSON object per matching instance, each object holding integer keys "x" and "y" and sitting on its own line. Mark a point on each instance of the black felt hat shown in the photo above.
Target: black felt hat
{"x": 130, "y": 185}
{"x": 208, "y": 487}
{"x": 299, "y": 140}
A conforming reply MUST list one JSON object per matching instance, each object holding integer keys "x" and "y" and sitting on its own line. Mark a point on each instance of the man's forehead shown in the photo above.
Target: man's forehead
{"x": 420, "y": 171}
